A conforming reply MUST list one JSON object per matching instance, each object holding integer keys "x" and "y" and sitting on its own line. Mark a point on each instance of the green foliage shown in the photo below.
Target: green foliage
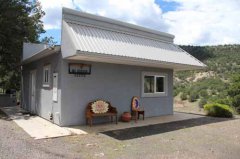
{"x": 218, "y": 110}
{"x": 175, "y": 93}
{"x": 203, "y": 93}
{"x": 183, "y": 96}
{"x": 48, "y": 41}
{"x": 236, "y": 102}
{"x": 200, "y": 52}
{"x": 193, "y": 96}
{"x": 234, "y": 91}
{"x": 235, "y": 86}
{"x": 225, "y": 101}
{"x": 217, "y": 84}
{"x": 20, "y": 21}
{"x": 202, "y": 102}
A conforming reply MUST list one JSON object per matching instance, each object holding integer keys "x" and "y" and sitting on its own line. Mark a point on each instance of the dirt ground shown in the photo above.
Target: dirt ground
{"x": 187, "y": 107}
{"x": 202, "y": 137}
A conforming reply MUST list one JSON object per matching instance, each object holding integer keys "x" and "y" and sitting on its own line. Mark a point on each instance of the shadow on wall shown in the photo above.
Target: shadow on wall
{"x": 137, "y": 132}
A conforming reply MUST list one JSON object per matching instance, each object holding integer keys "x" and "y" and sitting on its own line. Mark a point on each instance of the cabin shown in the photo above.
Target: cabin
{"x": 101, "y": 58}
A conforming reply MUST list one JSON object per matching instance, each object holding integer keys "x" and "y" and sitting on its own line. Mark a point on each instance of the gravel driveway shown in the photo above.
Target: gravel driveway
{"x": 219, "y": 139}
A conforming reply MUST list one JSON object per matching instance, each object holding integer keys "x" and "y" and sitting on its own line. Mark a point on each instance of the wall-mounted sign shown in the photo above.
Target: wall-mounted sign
{"x": 79, "y": 69}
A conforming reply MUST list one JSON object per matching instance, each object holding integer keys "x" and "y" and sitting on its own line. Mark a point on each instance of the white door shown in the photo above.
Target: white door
{"x": 33, "y": 91}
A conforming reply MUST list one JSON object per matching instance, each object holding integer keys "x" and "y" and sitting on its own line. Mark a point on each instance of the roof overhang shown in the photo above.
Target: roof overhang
{"x": 94, "y": 38}
{"x": 123, "y": 60}
{"x": 41, "y": 54}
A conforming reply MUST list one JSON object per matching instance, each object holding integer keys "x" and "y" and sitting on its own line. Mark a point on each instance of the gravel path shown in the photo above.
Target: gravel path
{"x": 218, "y": 139}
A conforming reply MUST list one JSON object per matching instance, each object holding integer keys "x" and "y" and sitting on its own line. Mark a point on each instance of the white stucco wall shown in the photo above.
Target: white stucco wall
{"x": 111, "y": 82}
{"x": 44, "y": 102}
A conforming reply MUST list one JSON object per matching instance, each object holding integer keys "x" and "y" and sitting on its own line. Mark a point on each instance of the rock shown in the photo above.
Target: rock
{"x": 99, "y": 154}
{"x": 91, "y": 145}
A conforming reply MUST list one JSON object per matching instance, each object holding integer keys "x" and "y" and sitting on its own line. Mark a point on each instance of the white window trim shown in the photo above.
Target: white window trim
{"x": 155, "y": 94}
{"x": 49, "y": 75}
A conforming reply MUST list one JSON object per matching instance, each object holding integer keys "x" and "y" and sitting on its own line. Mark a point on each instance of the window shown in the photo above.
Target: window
{"x": 46, "y": 76}
{"x": 154, "y": 84}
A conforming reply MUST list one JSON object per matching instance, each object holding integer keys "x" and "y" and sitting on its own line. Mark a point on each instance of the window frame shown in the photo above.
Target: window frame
{"x": 46, "y": 67}
{"x": 155, "y": 93}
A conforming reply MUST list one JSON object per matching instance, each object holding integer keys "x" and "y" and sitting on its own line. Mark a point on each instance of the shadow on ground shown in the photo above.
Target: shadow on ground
{"x": 136, "y": 132}
{"x": 4, "y": 116}
{"x": 15, "y": 113}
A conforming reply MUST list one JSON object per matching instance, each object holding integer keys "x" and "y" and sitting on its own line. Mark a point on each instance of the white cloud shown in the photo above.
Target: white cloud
{"x": 53, "y": 10}
{"x": 197, "y": 22}
{"x": 142, "y": 12}
{"x": 205, "y": 22}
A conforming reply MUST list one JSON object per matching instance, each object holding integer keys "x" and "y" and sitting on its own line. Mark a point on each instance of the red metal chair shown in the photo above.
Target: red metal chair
{"x": 137, "y": 110}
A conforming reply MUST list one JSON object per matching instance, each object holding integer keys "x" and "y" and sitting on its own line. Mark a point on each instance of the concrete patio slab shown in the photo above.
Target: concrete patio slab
{"x": 37, "y": 127}
{"x": 177, "y": 116}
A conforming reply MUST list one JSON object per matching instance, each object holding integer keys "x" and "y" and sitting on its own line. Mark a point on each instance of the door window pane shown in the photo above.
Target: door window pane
{"x": 148, "y": 84}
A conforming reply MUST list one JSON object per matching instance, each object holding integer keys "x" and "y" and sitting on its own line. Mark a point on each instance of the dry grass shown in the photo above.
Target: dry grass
{"x": 186, "y": 106}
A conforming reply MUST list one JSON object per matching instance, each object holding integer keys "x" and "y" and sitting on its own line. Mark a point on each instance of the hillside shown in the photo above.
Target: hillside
{"x": 213, "y": 83}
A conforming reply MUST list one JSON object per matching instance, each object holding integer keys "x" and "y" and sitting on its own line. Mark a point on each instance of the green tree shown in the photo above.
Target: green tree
{"x": 20, "y": 21}
{"x": 49, "y": 41}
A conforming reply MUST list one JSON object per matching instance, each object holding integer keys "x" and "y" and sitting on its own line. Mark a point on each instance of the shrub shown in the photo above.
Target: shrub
{"x": 193, "y": 97}
{"x": 218, "y": 110}
{"x": 175, "y": 93}
{"x": 183, "y": 96}
{"x": 203, "y": 93}
{"x": 214, "y": 92}
{"x": 236, "y": 101}
{"x": 202, "y": 102}
{"x": 224, "y": 101}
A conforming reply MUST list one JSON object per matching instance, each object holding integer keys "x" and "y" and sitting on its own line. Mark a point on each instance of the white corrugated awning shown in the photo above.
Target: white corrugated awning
{"x": 105, "y": 45}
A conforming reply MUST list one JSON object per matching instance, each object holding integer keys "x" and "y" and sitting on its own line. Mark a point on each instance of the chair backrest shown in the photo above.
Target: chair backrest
{"x": 135, "y": 103}
{"x": 99, "y": 106}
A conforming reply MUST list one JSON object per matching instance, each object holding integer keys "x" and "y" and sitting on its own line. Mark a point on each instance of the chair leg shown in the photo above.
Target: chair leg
{"x": 136, "y": 116}
{"x": 90, "y": 122}
{"x": 116, "y": 120}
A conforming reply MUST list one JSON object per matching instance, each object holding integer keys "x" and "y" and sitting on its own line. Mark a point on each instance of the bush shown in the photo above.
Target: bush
{"x": 218, "y": 110}
{"x": 203, "y": 93}
{"x": 193, "y": 97}
{"x": 183, "y": 96}
{"x": 175, "y": 92}
{"x": 214, "y": 92}
{"x": 202, "y": 102}
{"x": 236, "y": 101}
{"x": 224, "y": 101}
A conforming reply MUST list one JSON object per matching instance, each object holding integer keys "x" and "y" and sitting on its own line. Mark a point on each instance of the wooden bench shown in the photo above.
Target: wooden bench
{"x": 100, "y": 108}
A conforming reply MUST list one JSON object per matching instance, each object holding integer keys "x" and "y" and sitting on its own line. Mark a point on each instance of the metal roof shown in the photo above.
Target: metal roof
{"x": 95, "y": 40}
{"x": 101, "y": 39}
{"x": 41, "y": 54}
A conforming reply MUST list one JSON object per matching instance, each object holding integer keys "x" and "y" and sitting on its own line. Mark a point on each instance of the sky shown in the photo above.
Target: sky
{"x": 192, "y": 22}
